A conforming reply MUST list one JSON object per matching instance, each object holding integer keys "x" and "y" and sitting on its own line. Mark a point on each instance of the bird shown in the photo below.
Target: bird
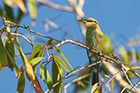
{"x": 95, "y": 41}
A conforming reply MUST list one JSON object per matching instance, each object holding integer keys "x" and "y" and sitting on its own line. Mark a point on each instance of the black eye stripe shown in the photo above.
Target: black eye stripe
{"x": 91, "y": 21}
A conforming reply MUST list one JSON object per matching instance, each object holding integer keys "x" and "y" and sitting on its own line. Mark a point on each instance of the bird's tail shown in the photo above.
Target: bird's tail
{"x": 95, "y": 77}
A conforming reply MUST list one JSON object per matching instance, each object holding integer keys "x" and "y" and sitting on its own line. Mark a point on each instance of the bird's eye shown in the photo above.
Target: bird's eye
{"x": 91, "y": 21}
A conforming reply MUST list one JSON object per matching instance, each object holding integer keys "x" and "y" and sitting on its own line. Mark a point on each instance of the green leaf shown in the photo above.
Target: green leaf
{"x": 1, "y": 67}
{"x": 59, "y": 67}
{"x": 95, "y": 88}
{"x": 57, "y": 77}
{"x": 27, "y": 65}
{"x": 3, "y": 57}
{"x": 48, "y": 79}
{"x": 9, "y": 12}
{"x": 61, "y": 62}
{"x": 8, "y": 29}
{"x": 9, "y": 45}
{"x": 124, "y": 55}
{"x": 62, "y": 55}
{"x": 50, "y": 42}
{"x": 40, "y": 53}
{"x": 24, "y": 25}
{"x": 112, "y": 85}
{"x": 123, "y": 52}
{"x": 28, "y": 77}
{"x": 21, "y": 83}
{"x": 1, "y": 12}
{"x": 35, "y": 86}
{"x": 20, "y": 14}
{"x": 42, "y": 72}
{"x": 11, "y": 59}
{"x": 4, "y": 19}
{"x": 32, "y": 8}
{"x": 138, "y": 56}
{"x": 35, "y": 51}
{"x": 8, "y": 2}
{"x": 36, "y": 60}
{"x": 108, "y": 47}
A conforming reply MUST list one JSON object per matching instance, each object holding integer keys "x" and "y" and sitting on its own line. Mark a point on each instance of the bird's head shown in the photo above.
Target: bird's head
{"x": 90, "y": 22}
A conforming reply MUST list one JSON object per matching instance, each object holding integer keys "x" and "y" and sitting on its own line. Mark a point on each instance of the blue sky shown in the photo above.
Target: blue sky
{"x": 115, "y": 17}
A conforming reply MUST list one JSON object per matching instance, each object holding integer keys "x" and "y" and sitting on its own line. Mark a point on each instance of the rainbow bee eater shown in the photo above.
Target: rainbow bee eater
{"x": 95, "y": 41}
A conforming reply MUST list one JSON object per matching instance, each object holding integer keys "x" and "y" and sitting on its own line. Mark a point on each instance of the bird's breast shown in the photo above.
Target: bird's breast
{"x": 94, "y": 40}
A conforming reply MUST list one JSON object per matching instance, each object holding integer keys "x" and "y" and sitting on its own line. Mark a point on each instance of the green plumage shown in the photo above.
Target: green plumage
{"x": 94, "y": 40}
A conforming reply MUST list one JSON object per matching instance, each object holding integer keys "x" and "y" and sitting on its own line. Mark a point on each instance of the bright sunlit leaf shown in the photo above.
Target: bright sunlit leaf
{"x": 8, "y": 27}
{"x": 112, "y": 85}
{"x": 32, "y": 9}
{"x": 35, "y": 51}
{"x": 27, "y": 65}
{"x": 21, "y": 5}
{"x": 8, "y": 2}
{"x": 1, "y": 67}
{"x": 95, "y": 88}
{"x": 61, "y": 62}
{"x": 124, "y": 55}
{"x": 62, "y": 55}
{"x": 36, "y": 60}
{"x": 48, "y": 79}
{"x": 42, "y": 72}
{"x": 108, "y": 47}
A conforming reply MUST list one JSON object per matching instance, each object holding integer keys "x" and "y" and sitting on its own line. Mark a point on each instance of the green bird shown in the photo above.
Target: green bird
{"x": 95, "y": 41}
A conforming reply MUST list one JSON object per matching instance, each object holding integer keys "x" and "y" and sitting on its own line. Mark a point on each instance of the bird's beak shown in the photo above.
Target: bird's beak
{"x": 82, "y": 20}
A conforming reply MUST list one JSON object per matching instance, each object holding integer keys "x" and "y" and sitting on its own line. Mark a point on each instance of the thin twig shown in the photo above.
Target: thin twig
{"x": 23, "y": 37}
{"x": 107, "y": 83}
{"x": 135, "y": 73}
{"x": 56, "y": 6}
{"x": 79, "y": 78}
{"x": 135, "y": 67}
{"x": 81, "y": 68}
{"x": 124, "y": 68}
{"x": 134, "y": 86}
{"x": 127, "y": 77}
{"x": 32, "y": 31}
{"x": 81, "y": 45}
{"x": 122, "y": 91}
{"x": 24, "y": 54}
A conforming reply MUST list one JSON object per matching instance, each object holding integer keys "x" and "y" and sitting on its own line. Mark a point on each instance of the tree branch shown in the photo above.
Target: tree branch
{"x": 31, "y": 31}
{"x": 56, "y": 6}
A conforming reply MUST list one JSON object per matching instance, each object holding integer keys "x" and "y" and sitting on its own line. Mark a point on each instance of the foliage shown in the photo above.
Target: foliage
{"x": 45, "y": 53}
{"x": 30, "y": 64}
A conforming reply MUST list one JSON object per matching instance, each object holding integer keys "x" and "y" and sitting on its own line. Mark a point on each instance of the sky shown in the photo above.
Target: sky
{"x": 115, "y": 17}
